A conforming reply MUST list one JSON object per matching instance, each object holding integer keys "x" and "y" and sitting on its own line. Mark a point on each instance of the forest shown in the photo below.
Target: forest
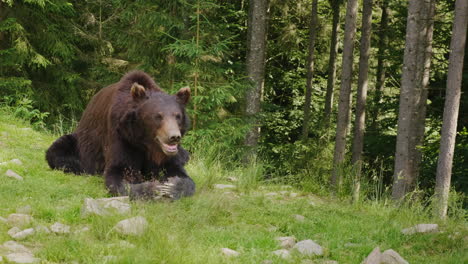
{"x": 363, "y": 100}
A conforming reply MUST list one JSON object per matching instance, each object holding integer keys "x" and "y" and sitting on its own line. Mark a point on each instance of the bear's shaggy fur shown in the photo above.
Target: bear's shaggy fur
{"x": 130, "y": 132}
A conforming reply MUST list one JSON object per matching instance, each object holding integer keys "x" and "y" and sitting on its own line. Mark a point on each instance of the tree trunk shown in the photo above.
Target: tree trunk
{"x": 423, "y": 75}
{"x": 256, "y": 49}
{"x": 359, "y": 124}
{"x": 382, "y": 46}
{"x": 413, "y": 96}
{"x": 332, "y": 61}
{"x": 408, "y": 82}
{"x": 345, "y": 93}
{"x": 452, "y": 104}
{"x": 310, "y": 70}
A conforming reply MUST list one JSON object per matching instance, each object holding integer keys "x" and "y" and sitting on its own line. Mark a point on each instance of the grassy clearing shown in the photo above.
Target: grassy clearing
{"x": 193, "y": 230}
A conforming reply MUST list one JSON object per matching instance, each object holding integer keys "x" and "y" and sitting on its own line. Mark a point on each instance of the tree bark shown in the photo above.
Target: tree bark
{"x": 345, "y": 93}
{"x": 359, "y": 122}
{"x": 256, "y": 52}
{"x": 413, "y": 96}
{"x": 310, "y": 69}
{"x": 408, "y": 82}
{"x": 332, "y": 61}
{"x": 451, "y": 107}
{"x": 423, "y": 75}
{"x": 382, "y": 47}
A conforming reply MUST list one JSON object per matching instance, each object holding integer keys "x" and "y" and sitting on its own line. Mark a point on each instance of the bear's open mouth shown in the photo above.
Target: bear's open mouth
{"x": 169, "y": 148}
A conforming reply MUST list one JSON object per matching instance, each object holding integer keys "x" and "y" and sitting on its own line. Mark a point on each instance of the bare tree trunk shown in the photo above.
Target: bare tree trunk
{"x": 345, "y": 93}
{"x": 408, "y": 82}
{"x": 423, "y": 74}
{"x": 332, "y": 61}
{"x": 359, "y": 124}
{"x": 310, "y": 70}
{"x": 451, "y": 107}
{"x": 413, "y": 96}
{"x": 256, "y": 49}
{"x": 382, "y": 46}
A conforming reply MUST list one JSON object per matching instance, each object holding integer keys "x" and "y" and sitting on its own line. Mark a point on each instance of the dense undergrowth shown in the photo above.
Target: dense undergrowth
{"x": 193, "y": 230}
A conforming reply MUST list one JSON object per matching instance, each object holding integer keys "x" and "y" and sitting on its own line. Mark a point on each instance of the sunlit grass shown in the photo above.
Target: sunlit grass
{"x": 193, "y": 230}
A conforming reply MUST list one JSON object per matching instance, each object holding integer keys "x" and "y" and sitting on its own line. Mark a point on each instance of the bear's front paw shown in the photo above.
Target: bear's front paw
{"x": 177, "y": 187}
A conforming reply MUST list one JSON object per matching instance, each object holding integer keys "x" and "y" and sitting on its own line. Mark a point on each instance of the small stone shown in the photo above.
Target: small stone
{"x": 392, "y": 257}
{"x": 232, "y": 179}
{"x": 19, "y": 219}
{"x": 13, "y": 246}
{"x": 374, "y": 257}
{"x": 132, "y": 226}
{"x": 329, "y": 262}
{"x": 21, "y": 258}
{"x": 82, "y": 230}
{"x": 421, "y": 228}
{"x": 124, "y": 244}
{"x": 224, "y": 186}
{"x": 283, "y": 192}
{"x": 267, "y": 261}
{"x": 106, "y": 206}
{"x": 229, "y": 252}
{"x": 16, "y": 161}
{"x": 60, "y": 228}
{"x": 271, "y": 194}
{"x": 42, "y": 229}
{"x": 13, "y": 231}
{"x": 12, "y": 174}
{"x": 23, "y": 234}
{"x": 24, "y": 209}
{"x": 109, "y": 259}
{"x": 309, "y": 248}
{"x": 299, "y": 218}
{"x": 293, "y": 195}
{"x": 282, "y": 253}
{"x": 287, "y": 242}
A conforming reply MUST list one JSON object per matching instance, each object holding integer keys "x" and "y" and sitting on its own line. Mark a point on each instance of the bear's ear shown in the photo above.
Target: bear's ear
{"x": 138, "y": 91}
{"x": 183, "y": 95}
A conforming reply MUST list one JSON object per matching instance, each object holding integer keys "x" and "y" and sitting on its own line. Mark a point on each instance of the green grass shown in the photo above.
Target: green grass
{"x": 193, "y": 230}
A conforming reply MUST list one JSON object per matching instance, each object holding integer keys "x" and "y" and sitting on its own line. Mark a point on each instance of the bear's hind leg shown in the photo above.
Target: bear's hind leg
{"x": 63, "y": 155}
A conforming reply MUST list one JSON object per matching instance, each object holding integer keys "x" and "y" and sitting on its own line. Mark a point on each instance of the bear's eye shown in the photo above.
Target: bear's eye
{"x": 178, "y": 116}
{"x": 158, "y": 117}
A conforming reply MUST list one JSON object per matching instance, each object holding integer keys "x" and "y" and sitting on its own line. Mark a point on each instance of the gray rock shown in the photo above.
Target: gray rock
{"x": 122, "y": 244}
{"x": 232, "y": 179}
{"x": 19, "y": 219}
{"x": 109, "y": 259}
{"x": 23, "y": 234}
{"x": 293, "y": 195}
{"x": 421, "y": 228}
{"x": 42, "y": 229}
{"x": 229, "y": 252}
{"x": 1, "y": 259}
{"x": 329, "y": 262}
{"x": 309, "y": 248}
{"x": 282, "y": 253}
{"x": 14, "y": 161}
{"x": 21, "y": 258}
{"x": 286, "y": 242}
{"x": 106, "y": 206}
{"x": 13, "y": 231}
{"x": 82, "y": 230}
{"x": 132, "y": 226}
{"x": 392, "y": 257}
{"x": 14, "y": 247}
{"x": 24, "y": 209}
{"x": 374, "y": 257}
{"x": 224, "y": 186}
{"x": 60, "y": 228}
{"x": 299, "y": 218}
{"x": 271, "y": 194}
{"x": 12, "y": 174}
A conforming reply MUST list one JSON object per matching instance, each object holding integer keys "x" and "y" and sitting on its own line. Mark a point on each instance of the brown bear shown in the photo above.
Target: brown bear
{"x": 130, "y": 132}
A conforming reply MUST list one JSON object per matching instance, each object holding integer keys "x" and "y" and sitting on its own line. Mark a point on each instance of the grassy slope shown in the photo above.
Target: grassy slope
{"x": 193, "y": 230}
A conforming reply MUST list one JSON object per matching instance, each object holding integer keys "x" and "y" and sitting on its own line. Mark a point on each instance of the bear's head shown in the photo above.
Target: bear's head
{"x": 159, "y": 118}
